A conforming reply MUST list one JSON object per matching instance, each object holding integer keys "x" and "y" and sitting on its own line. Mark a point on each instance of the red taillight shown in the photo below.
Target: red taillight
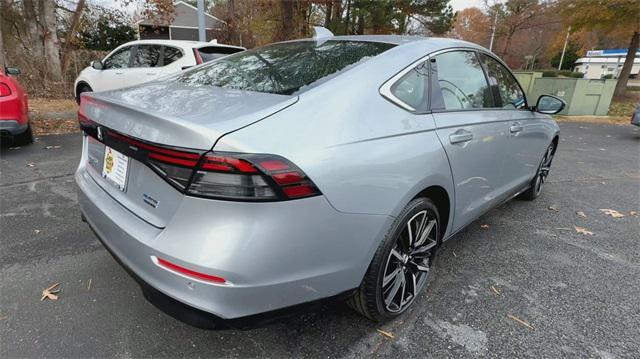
{"x": 4, "y": 90}
{"x": 198, "y": 57}
{"x": 250, "y": 177}
{"x": 188, "y": 272}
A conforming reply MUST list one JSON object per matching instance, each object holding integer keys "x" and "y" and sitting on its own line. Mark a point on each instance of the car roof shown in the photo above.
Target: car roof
{"x": 181, "y": 43}
{"x": 430, "y": 43}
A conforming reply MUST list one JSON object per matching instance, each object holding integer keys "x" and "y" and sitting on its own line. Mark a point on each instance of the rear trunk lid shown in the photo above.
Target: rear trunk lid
{"x": 178, "y": 114}
{"x": 170, "y": 115}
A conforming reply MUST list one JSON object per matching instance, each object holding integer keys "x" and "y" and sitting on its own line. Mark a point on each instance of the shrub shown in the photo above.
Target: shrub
{"x": 549, "y": 74}
{"x": 577, "y": 75}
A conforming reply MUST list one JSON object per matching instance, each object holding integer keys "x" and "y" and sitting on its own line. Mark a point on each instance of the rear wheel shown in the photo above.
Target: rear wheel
{"x": 24, "y": 138}
{"x": 82, "y": 88}
{"x": 401, "y": 265}
{"x": 535, "y": 187}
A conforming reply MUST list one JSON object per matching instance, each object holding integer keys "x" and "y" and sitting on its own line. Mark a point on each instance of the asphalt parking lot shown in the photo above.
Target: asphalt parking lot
{"x": 519, "y": 282}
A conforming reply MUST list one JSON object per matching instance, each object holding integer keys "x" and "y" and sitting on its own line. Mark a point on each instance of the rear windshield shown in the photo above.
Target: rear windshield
{"x": 284, "y": 68}
{"x": 208, "y": 53}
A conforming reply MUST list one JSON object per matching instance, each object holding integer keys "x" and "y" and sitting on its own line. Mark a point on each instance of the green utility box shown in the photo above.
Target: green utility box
{"x": 584, "y": 97}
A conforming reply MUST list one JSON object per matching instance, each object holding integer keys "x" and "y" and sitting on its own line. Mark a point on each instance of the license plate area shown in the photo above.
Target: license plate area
{"x": 112, "y": 165}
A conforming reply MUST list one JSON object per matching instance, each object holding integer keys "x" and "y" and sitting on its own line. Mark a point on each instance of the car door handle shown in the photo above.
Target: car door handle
{"x": 460, "y": 136}
{"x": 516, "y": 127}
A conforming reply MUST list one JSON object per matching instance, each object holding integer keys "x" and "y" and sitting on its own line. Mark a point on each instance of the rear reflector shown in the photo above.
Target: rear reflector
{"x": 187, "y": 272}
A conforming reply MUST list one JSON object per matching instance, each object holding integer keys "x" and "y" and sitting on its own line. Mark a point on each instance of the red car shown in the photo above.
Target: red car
{"x": 14, "y": 108}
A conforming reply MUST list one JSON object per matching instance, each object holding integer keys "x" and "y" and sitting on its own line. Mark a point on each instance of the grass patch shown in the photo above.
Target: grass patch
{"x": 624, "y": 107}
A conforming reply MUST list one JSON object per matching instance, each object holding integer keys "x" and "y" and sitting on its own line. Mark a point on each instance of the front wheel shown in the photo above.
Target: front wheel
{"x": 402, "y": 263}
{"x": 535, "y": 187}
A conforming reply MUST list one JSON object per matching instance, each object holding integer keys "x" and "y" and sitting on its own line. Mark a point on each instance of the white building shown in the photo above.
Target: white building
{"x": 600, "y": 63}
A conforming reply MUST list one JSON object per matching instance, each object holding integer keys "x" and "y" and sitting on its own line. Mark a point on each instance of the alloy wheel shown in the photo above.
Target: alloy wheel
{"x": 409, "y": 261}
{"x": 545, "y": 167}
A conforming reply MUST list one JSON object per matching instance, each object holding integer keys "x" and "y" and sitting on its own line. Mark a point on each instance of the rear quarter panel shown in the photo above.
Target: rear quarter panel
{"x": 366, "y": 155}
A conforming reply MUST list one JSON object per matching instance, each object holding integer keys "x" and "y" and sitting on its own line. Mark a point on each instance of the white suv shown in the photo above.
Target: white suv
{"x": 144, "y": 60}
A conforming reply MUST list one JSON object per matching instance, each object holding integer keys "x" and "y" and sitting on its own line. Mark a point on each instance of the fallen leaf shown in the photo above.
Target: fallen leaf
{"x": 50, "y": 292}
{"x": 633, "y": 213}
{"x": 89, "y": 285}
{"x": 583, "y": 231}
{"x": 563, "y": 229}
{"x": 14, "y": 148}
{"x": 495, "y": 290}
{"x": 3, "y": 317}
{"x": 36, "y": 231}
{"x": 30, "y": 164}
{"x": 51, "y": 147}
{"x": 554, "y": 208}
{"x": 484, "y": 226}
{"x": 454, "y": 254}
{"x": 386, "y": 334}
{"x": 520, "y": 321}
{"x": 612, "y": 212}
{"x": 581, "y": 214}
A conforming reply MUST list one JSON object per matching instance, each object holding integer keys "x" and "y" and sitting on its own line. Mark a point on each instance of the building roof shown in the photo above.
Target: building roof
{"x": 609, "y": 52}
{"x": 185, "y": 16}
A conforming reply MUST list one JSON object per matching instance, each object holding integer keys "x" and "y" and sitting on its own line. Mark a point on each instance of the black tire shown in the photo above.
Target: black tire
{"x": 82, "y": 88}
{"x": 535, "y": 186}
{"x": 369, "y": 298}
{"x": 24, "y": 138}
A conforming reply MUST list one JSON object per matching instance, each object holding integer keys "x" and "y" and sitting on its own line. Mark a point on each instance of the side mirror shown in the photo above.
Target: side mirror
{"x": 549, "y": 105}
{"x": 97, "y": 65}
{"x": 12, "y": 71}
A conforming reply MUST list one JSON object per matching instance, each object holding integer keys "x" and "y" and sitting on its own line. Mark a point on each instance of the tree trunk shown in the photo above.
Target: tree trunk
{"x": 347, "y": 18}
{"x": 50, "y": 40}
{"x": 32, "y": 22}
{"x": 329, "y": 12}
{"x": 286, "y": 26}
{"x": 75, "y": 21}
{"x": 623, "y": 78}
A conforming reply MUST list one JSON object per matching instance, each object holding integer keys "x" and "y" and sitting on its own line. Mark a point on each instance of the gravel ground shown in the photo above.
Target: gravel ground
{"x": 575, "y": 295}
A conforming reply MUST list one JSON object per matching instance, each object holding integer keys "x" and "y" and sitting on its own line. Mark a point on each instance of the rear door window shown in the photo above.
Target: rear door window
{"x": 171, "y": 54}
{"x": 119, "y": 60}
{"x": 147, "y": 56}
{"x": 284, "y": 68}
{"x": 461, "y": 83}
{"x": 505, "y": 86}
{"x": 208, "y": 53}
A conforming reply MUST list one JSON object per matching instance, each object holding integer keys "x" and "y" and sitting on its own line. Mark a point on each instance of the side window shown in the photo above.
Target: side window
{"x": 504, "y": 85}
{"x": 147, "y": 56}
{"x": 461, "y": 82}
{"x": 412, "y": 88}
{"x": 119, "y": 60}
{"x": 171, "y": 54}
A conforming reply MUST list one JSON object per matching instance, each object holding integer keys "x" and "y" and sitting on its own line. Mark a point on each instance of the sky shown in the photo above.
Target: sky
{"x": 463, "y": 4}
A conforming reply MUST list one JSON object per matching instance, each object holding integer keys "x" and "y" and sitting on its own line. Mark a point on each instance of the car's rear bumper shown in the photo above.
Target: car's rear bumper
{"x": 281, "y": 255}
{"x": 13, "y": 127}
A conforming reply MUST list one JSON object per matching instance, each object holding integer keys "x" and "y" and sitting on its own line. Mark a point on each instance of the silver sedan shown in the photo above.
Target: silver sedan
{"x": 307, "y": 169}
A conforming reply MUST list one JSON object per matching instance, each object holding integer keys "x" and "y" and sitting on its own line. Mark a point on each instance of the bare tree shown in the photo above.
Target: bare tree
{"x": 75, "y": 22}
